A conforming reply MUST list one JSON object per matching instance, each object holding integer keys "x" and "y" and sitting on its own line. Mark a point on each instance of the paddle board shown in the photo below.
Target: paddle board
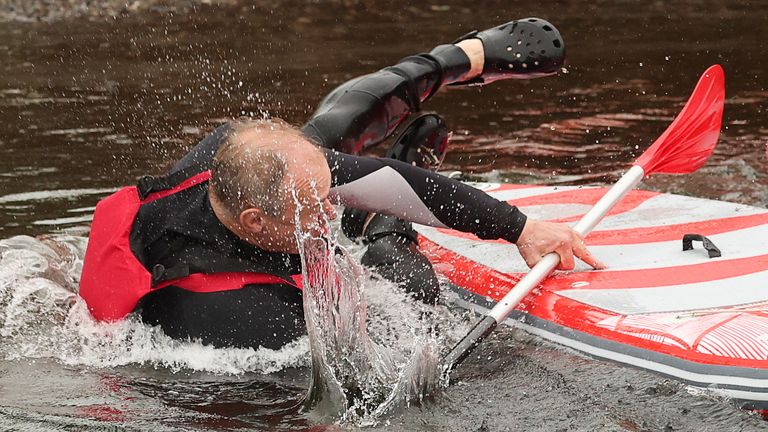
{"x": 679, "y": 313}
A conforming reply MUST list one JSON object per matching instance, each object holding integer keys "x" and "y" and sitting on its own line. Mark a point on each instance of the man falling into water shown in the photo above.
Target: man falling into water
{"x": 209, "y": 251}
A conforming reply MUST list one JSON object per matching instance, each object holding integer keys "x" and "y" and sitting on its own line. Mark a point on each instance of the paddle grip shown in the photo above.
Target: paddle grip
{"x": 479, "y": 332}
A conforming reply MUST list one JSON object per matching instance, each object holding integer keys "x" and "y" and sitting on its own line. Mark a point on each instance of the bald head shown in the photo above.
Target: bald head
{"x": 260, "y": 163}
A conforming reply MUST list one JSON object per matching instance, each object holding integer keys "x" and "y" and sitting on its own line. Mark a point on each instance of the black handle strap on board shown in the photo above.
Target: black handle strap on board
{"x": 710, "y": 247}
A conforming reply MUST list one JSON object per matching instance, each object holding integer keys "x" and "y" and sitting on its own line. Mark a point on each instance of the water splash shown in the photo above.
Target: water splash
{"x": 41, "y": 316}
{"x": 361, "y": 371}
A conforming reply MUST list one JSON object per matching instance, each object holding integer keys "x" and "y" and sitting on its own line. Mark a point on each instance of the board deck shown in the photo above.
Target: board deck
{"x": 679, "y": 313}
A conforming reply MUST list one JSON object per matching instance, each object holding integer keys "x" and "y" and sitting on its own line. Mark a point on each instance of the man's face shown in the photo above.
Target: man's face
{"x": 307, "y": 184}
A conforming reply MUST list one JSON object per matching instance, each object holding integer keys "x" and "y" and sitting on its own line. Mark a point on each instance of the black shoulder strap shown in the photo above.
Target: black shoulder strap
{"x": 148, "y": 184}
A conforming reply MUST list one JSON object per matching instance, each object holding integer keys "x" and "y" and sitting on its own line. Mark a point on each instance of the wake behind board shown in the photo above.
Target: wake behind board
{"x": 679, "y": 313}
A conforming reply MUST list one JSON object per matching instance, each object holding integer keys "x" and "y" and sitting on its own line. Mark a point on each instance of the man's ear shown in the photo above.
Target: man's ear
{"x": 252, "y": 220}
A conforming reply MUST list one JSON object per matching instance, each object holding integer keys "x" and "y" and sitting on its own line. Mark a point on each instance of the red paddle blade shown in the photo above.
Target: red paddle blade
{"x": 687, "y": 143}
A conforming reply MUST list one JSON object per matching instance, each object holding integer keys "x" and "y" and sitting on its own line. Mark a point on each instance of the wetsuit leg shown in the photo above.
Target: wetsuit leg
{"x": 255, "y": 316}
{"x": 391, "y": 242}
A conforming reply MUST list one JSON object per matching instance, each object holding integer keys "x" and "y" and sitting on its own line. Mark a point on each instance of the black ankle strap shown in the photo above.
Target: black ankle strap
{"x": 382, "y": 226}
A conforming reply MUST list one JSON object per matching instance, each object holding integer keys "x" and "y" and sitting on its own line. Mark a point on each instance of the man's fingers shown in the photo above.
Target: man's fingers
{"x": 566, "y": 257}
{"x": 530, "y": 258}
{"x": 592, "y": 261}
{"x": 582, "y": 253}
{"x": 540, "y": 238}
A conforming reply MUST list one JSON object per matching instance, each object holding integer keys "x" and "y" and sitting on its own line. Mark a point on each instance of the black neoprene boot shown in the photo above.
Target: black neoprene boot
{"x": 392, "y": 251}
{"x": 391, "y": 242}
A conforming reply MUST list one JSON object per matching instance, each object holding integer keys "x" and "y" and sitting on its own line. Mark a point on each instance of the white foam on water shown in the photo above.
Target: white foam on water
{"x": 41, "y": 316}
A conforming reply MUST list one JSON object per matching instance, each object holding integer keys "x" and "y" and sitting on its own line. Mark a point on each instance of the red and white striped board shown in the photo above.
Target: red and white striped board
{"x": 703, "y": 321}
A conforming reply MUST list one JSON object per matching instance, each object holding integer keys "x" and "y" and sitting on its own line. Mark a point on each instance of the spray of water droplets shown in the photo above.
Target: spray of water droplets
{"x": 362, "y": 369}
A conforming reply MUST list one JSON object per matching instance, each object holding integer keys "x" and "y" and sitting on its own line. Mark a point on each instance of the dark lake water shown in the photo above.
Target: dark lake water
{"x": 89, "y": 105}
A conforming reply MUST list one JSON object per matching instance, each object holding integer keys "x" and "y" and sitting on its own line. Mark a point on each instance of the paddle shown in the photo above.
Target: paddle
{"x": 682, "y": 149}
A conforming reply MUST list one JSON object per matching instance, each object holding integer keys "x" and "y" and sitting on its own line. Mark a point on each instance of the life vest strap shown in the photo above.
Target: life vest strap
{"x": 161, "y": 274}
{"x": 227, "y": 281}
{"x": 150, "y": 184}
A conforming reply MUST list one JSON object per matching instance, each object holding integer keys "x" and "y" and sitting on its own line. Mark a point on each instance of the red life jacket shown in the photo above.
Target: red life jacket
{"x": 113, "y": 280}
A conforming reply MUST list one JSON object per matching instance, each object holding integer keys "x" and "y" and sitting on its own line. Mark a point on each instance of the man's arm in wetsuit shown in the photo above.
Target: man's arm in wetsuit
{"x": 418, "y": 195}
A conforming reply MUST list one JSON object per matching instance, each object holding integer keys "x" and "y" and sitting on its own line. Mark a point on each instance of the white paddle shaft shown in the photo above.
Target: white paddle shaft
{"x": 585, "y": 225}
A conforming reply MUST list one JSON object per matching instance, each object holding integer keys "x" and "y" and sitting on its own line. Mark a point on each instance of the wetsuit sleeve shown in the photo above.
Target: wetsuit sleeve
{"x": 417, "y": 195}
{"x": 366, "y": 110}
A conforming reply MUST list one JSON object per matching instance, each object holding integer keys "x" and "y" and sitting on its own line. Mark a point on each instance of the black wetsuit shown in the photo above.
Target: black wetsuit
{"x": 182, "y": 229}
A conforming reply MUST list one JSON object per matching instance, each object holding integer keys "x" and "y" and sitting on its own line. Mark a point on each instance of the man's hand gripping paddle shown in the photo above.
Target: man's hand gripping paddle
{"x": 682, "y": 149}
